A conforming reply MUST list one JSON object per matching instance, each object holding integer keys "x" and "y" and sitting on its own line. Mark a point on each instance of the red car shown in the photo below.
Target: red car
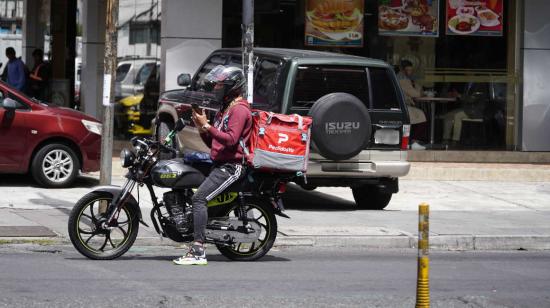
{"x": 52, "y": 143}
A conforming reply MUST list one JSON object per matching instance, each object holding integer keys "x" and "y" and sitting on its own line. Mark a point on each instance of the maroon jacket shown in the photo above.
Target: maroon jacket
{"x": 229, "y": 127}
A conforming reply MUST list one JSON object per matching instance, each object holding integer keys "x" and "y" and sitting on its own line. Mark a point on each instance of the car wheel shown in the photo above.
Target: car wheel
{"x": 370, "y": 197}
{"x": 55, "y": 165}
{"x": 341, "y": 126}
{"x": 163, "y": 129}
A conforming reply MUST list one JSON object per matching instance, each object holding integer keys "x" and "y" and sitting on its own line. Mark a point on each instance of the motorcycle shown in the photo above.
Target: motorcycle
{"x": 242, "y": 225}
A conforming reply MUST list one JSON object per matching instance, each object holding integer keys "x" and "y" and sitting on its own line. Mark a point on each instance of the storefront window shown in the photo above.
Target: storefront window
{"x": 137, "y": 82}
{"x": 383, "y": 93}
{"x": 459, "y": 54}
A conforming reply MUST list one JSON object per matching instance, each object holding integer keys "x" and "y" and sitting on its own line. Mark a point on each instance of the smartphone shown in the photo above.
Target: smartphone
{"x": 196, "y": 108}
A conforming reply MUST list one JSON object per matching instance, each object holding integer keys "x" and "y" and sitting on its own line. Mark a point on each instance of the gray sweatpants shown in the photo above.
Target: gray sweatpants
{"x": 219, "y": 179}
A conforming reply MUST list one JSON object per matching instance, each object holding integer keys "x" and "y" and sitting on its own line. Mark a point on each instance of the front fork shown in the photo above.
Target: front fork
{"x": 113, "y": 209}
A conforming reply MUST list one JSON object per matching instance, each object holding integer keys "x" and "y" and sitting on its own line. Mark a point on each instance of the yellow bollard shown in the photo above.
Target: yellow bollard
{"x": 423, "y": 280}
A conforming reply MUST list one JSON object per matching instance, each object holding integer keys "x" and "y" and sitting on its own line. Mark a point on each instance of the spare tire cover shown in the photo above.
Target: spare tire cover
{"x": 341, "y": 126}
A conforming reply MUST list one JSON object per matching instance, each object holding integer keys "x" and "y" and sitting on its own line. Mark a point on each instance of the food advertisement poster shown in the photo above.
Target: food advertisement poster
{"x": 408, "y": 17}
{"x": 483, "y": 18}
{"x": 337, "y": 23}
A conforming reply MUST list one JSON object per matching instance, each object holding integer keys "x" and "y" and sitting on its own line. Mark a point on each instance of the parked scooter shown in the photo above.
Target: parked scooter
{"x": 242, "y": 224}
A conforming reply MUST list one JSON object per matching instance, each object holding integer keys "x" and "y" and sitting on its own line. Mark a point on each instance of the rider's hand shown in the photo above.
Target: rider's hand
{"x": 200, "y": 120}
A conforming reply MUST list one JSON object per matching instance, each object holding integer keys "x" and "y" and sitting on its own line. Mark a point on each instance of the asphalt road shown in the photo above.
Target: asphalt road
{"x": 50, "y": 276}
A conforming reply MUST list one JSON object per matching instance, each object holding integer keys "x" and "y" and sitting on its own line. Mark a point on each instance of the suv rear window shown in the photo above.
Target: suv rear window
{"x": 384, "y": 94}
{"x": 315, "y": 81}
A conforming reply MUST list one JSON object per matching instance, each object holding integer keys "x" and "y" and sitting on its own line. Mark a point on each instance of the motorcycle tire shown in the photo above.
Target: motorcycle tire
{"x": 233, "y": 253}
{"x": 81, "y": 238}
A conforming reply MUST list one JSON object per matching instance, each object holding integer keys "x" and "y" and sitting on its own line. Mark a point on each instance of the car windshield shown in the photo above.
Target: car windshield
{"x": 144, "y": 73}
{"x": 121, "y": 71}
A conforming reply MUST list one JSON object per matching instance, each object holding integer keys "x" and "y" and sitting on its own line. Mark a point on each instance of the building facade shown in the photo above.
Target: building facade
{"x": 495, "y": 67}
{"x": 496, "y": 72}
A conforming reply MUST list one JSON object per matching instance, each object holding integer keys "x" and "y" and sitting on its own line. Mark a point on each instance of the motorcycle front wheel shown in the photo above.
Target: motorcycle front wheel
{"x": 261, "y": 214}
{"x": 88, "y": 236}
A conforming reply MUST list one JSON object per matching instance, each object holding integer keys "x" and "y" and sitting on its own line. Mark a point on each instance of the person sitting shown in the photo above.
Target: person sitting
{"x": 472, "y": 107}
{"x": 232, "y": 125}
{"x": 416, "y": 115}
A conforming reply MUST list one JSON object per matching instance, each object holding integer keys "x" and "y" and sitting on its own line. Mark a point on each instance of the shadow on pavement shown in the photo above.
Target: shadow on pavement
{"x": 297, "y": 198}
{"x": 211, "y": 258}
{"x": 56, "y": 203}
{"x": 26, "y": 180}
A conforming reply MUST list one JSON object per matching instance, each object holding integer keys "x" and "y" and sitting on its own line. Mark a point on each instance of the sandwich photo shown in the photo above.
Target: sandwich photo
{"x": 335, "y": 16}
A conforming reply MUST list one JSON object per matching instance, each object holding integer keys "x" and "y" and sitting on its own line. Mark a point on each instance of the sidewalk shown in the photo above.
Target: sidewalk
{"x": 465, "y": 215}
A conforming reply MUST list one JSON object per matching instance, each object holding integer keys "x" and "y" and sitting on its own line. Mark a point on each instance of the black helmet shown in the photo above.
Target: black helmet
{"x": 225, "y": 82}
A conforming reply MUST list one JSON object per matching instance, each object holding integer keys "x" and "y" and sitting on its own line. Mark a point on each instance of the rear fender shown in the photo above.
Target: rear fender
{"x": 115, "y": 191}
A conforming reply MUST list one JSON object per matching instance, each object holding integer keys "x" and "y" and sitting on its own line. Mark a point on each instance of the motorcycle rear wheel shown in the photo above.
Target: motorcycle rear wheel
{"x": 260, "y": 212}
{"x": 90, "y": 239}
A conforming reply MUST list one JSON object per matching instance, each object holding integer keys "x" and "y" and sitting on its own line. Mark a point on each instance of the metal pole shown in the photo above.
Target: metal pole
{"x": 423, "y": 279}
{"x": 110, "y": 63}
{"x": 248, "y": 44}
{"x": 149, "y": 29}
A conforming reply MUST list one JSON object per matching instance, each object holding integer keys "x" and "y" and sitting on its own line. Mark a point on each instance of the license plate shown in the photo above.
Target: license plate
{"x": 386, "y": 136}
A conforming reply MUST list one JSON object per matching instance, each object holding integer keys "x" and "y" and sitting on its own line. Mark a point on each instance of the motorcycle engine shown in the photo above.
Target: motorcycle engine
{"x": 177, "y": 206}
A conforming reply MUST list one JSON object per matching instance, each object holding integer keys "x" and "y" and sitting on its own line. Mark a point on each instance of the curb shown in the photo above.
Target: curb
{"x": 438, "y": 242}
{"x": 449, "y": 171}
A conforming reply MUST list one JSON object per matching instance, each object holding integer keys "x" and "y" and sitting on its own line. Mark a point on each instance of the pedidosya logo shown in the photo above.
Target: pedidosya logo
{"x": 282, "y": 138}
{"x": 341, "y": 128}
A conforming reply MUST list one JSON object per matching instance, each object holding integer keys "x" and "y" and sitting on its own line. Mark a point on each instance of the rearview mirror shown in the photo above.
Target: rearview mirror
{"x": 180, "y": 124}
{"x": 184, "y": 80}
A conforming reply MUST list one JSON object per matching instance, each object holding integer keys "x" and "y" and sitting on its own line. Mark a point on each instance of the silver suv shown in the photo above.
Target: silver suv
{"x": 131, "y": 75}
{"x": 360, "y": 122}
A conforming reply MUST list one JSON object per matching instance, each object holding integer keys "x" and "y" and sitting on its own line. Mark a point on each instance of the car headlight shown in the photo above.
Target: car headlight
{"x": 127, "y": 158}
{"x": 92, "y": 127}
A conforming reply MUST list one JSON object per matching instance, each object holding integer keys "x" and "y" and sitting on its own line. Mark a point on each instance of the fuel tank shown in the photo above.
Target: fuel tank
{"x": 174, "y": 173}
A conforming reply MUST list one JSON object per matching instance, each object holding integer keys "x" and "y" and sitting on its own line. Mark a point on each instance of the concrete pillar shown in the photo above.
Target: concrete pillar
{"x": 536, "y": 73}
{"x": 190, "y": 31}
{"x": 33, "y": 29}
{"x": 93, "y": 51}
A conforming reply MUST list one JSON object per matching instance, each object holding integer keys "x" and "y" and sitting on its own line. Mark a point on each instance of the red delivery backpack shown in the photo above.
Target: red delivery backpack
{"x": 278, "y": 142}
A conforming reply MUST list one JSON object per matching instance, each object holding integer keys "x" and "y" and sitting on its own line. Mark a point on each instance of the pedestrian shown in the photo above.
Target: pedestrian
{"x": 416, "y": 115}
{"x": 39, "y": 78}
{"x": 231, "y": 128}
{"x": 15, "y": 72}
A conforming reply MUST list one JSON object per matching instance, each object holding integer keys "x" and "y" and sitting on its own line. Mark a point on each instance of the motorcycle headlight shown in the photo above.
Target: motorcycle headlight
{"x": 127, "y": 158}
{"x": 92, "y": 127}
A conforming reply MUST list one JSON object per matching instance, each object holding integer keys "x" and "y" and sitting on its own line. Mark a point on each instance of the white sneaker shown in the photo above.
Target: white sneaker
{"x": 417, "y": 146}
{"x": 195, "y": 256}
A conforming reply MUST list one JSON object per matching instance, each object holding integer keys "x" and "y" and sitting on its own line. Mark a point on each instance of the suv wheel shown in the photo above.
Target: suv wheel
{"x": 55, "y": 165}
{"x": 163, "y": 129}
{"x": 369, "y": 197}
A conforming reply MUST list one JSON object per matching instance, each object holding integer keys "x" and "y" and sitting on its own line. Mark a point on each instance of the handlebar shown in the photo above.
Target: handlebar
{"x": 166, "y": 148}
{"x": 163, "y": 145}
